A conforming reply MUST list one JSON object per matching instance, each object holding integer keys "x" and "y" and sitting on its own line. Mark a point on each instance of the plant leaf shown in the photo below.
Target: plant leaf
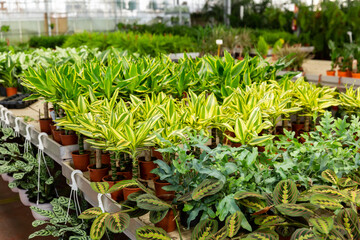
{"x": 204, "y": 229}
{"x": 206, "y": 188}
{"x": 285, "y": 192}
{"x": 151, "y": 233}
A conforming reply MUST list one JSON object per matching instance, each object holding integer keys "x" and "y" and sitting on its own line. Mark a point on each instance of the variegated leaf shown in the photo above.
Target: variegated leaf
{"x": 122, "y": 184}
{"x": 261, "y": 236}
{"x": 330, "y": 176}
{"x": 117, "y": 222}
{"x": 328, "y": 191}
{"x": 269, "y": 220}
{"x": 151, "y": 233}
{"x": 151, "y": 203}
{"x": 349, "y": 219}
{"x": 323, "y": 225}
{"x": 98, "y": 228}
{"x": 100, "y": 187}
{"x": 90, "y": 213}
{"x": 157, "y": 216}
{"x": 324, "y": 201}
{"x": 294, "y": 210}
{"x": 347, "y": 183}
{"x": 285, "y": 192}
{"x": 206, "y": 188}
{"x": 204, "y": 230}
{"x": 233, "y": 223}
{"x": 303, "y": 234}
{"x": 221, "y": 234}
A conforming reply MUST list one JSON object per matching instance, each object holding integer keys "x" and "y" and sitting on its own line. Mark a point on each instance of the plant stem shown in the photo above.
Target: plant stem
{"x": 135, "y": 166}
{"x": 98, "y": 158}
{"x": 81, "y": 144}
{"x": 148, "y": 155}
{"x": 307, "y": 124}
{"x": 113, "y": 159}
{"x": 177, "y": 223}
{"x": 46, "y": 110}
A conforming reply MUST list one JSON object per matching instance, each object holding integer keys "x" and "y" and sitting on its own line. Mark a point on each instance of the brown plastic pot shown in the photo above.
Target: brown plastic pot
{"x": 118, "y": 195}
{"x": 158, "y": 187}
{"x": 45, "y": 125}
{"x": 56, "y": 135}
{"x": 52, "y": 127}
{"x": 97, "y": 174}
{"x": 67, "y": 140}
{"x": 330, "y": 73}
{"x": 145, "y": 169}
{"x": 10, "y": 91}
{"x": 105, "y": 158}
{"x": 81, "y": 161}
{"x": 156, "y": 154}
{"x": 129, "y": 190}
{"x": 168, "y": 222}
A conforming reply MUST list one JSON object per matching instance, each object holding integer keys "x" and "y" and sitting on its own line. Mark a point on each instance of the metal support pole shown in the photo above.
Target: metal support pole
{"x": 48, "y": 16}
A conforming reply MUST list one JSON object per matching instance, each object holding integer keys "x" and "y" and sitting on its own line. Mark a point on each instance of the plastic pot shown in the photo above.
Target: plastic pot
{"x": 129, "y": 190}
{"x": 330, "y": 73}
{"x": 168, "y": 222}
{"x": 45, "y": 125}
{"x": 24, "y": 197}
{"x": 67, "y": 140}
{"x": 56, "y": 135}
{"x": 97, "y": 174}
{"x": 158, "y": 187}
{"x": 156, "y": 154}
{"x": 118, "y": 195}
{"x": 344, "y": 73}
{"x": 10, "y": 91}
{"x": 145, "y": 169}
{"x": 11, "y": 179}
{"x": 43, "y": 206}
{"x": 356, "y": 75}
{"x": 4, "y": 176}
{"x": 105, "y": 158}
{"x": 81, "y": 161}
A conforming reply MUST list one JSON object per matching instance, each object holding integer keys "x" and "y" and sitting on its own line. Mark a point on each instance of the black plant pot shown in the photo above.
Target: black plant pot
{"x": 2, "y": 91}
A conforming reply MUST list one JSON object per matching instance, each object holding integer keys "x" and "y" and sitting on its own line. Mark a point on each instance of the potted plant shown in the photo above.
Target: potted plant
{"x": 262, "y": 47}
{"x": 345, "y": 61}
{"x": 356, "y": 74}
{"x": 46, "y": 121}
{"x": 334, "y": 55}
{"x": 8, "y": 75}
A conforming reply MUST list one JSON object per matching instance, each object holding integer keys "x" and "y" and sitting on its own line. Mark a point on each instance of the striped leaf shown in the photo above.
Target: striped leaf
{"x": 268, "y": 220}
{"x": 186, "y": 197}
{"x": 134, "y": 196}
{"x": 151, "y": 203}
{"x": 294, "y": 210}
{"x": 221, "y": 234}
{"x": 242, "y": 195}
{"x": 261, "y": 236}
{"x": 98, "y": 228}
{"x": 233, "y": 223}
{"x": 303, "y": 234}
{"x": 255, "y": 204}
{"x": 330, "y": 176}
{"x": 206, "y": 188}
{"x": 42, "y": 232}
{"x": 157, "y": 216}
{"x": 204, "y": 229}
{"x": 347, "y": 183}
{"x": 122, "y": 184}
{"x": 328, "y": 191}
{"x": 324, "y": 201}
{"x": 323, "y": 225}
{"x": 90, "y": 213}
{"x": 349, "y": 220}
{"x": 285, "y": 192}
{"x": 42, "y": 212}
{"x": 100, "y": 187}
{"x": 151, "y": 233}
{"x": 117, "y": 222}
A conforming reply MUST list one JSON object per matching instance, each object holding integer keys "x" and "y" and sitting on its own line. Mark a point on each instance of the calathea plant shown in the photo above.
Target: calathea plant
{"x": 62, "y": 224}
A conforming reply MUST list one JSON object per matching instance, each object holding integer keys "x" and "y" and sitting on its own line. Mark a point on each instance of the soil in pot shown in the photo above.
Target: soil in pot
{"x": 168, "y": 222}
{"x": 330, "y": 73}
{"x": 97, "y": 174}
{"x": 10, "y": 91}
{"x": 146, "y": 167}
{"x": 129, "y": 190}
{"x": 43, "y": 206}
{"x": 81, "y": 161}
{"x": 67, "y": 140}
{"x": 56, "y": 135}
{"x": 118, "y": 195}
{"x": 45, "y": 125}
{"x": 297, "y": 128}
{"x": 158, "y": 187}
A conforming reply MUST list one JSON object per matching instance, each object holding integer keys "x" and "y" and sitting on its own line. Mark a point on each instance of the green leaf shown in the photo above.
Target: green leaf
{"x": 221, "y": 234}
{"x": 261, "y": 236}
{"x": 122, "y": 184}
{"x": 98, "y": 228}
{"x": 90, "y": 213}
{"x": 303, "y": 234}
{"x": 233, "y": 223}
{"x": 293, "y": 210}
{"x": 100, "y": 187}
{"x": 349, "y": 219}
{"x": 323, "y": 225}
{"x": 151, "y": 233}
{"x": 285, "y": 192}
{"x": 157, "y": 216}
{"x": 206, "y": 188}
{"x": 324, "y": 201}
{"x": 117, "y": 222}
{"x": 268, "y": 220}
{"x": 151, "y": 203}
{"x": 330, "y": 176}
{"x": 204, "y": 230}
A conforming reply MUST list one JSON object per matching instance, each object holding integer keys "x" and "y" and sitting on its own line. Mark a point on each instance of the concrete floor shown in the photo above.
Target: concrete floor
{"x": 15, "y": 218}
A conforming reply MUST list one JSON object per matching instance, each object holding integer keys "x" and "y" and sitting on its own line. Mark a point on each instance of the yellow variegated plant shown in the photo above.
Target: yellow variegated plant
{"x": 350, "y": 99}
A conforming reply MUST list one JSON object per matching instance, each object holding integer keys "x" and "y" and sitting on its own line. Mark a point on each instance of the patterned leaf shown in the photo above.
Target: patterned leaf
{"x": 133, "y": 210}
{"x": 117, "y": 222}
{"x": 157, "y": 216}
{"x": 293, "y": 210}
{"x": 186, "y": 197}
{"x": 303, "y": 234}
{"x": 98, "y": 228}
{"x": 122, "y": 184}
{"x": 37, "y": 223}
{"x": 261, "y": 236}
{"x": 151, "y": 233}
{"x": 285, "y": 192}
{"x": 255, "y": 204}
{"x": 233, "y": 223}
{"x": 42, "y": 232}
{"x": 133, "y": 196}
{"x": 90, "y": 213}
{"x": 269, "y": 220}
{"x": 330, "y": 176}
{"x": 206, "y": 188}
{"x": 221, "y": 234}
{"x": 328, "y": 191}
{"x": 151, "y": 203}
{"x": 323, "y": 225}
{"x": 324, "y": 201}
{"x": 100, "y": 187}
{"x": 347, "y": 183}
{"x": 349, "y": 219}
{"x": 45, "y": 213}
{"x": 204, "y": 229}
{"x": 242, "y": 195}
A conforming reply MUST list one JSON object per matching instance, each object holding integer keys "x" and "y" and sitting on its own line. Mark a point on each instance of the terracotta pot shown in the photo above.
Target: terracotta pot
{"x": 67, "y": 140}
{"x": 45, "y": 125}
{"x": 342, "y": 73}
{"x": 96, "y": 175}
{"x": 145, "y": 169}
{"x": 24, "y": 197}
{"x": 105, "y": 158}
{"x": 168, "y": 222}
{"x": 297, "y": 128}
{"x": 56, "y": 135}
{"x": 356, "y": 75}
{"x": 330, "y": 73}
{"x": 43, "y": 206}
{"x": 156, "y": 154}
{"x": 158, "y": 187}
{"x": 118, "y": 195}
{"x": 52, "y": 127}
{"x": 128, "y": 190}
{"x": 10, "y": 91}
{"x": 81, "y": 161}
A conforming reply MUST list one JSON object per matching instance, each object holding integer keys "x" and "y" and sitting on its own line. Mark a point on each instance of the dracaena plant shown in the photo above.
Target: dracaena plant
{"x": 350, "y": 100}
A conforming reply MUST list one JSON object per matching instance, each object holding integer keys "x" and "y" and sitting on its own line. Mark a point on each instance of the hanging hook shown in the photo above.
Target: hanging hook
{"x": 2, "y": 117}
{"x": 7, "y": 121}
{"x": 73, "y": 184}
{"x": 41, "y": 145}
{"x": 28, "y": 136}
{"x": 101, "y": 206}
{"x": 17, "y": 127}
